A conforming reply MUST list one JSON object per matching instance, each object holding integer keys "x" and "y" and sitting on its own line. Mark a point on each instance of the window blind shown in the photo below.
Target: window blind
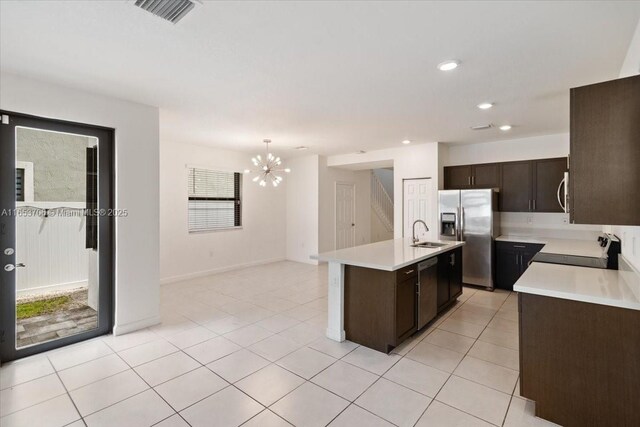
{"x": 214, "y": 199}
{"x": 20, "y": 185}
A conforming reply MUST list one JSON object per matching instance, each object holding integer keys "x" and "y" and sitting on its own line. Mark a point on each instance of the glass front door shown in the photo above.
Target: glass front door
{"x": 55, "y": 233}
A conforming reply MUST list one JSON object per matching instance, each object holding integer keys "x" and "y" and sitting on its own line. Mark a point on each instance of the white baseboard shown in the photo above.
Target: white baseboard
{"x": 336, "y": 335}
{"x": 303, "y": 260}
{"x": 196, "y": 275}
{"x": 53, "y": 288}
{"x": 135, "y": 326}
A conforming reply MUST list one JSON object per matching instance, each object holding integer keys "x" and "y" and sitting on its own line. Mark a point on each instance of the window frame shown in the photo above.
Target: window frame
{"x": 237, "y": 199}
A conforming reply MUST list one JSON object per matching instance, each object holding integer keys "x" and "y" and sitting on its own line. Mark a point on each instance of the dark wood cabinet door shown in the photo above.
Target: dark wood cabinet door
{"x": 515, "y": 189}
{"x": 406, "y": 304}
{"x": 508, "y": 267}
{"x": 548, "y": 174}
{"x": 580, "y": 361}
{"x": 605, "y": 153}
{"x": 486, "y": 175}
{"x": 457, "y": 177}
{"x": 455, "y": 277}
{"x": 444, "y": 271}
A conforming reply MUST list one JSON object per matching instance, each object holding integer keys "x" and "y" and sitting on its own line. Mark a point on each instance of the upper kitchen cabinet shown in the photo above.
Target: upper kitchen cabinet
{"x": 516, "y": 189}
{"x": 548, "y": 176}
{"x": 525, "y": 186}
{"x": 457, "y": 177}
{"x": 485, "y": 175}
{"x": 472, "y": 176}
{"x": 532, "y": 185}
{"x": 605, "y": 153}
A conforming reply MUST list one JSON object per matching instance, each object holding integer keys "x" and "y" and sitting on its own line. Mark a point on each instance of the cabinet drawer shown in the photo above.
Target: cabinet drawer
{"x": 518, "y": 246}
{"x": 407, "y": 272}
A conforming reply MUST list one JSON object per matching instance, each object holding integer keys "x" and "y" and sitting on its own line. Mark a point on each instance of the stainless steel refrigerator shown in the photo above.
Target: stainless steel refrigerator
{"x": 472, "y": 216}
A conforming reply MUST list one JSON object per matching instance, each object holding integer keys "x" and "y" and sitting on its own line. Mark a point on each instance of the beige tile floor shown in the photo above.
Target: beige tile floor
{"x": 247, "y": 348}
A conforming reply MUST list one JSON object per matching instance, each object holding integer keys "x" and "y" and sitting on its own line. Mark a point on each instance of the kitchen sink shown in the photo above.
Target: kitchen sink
{"x": 428, "y": 245}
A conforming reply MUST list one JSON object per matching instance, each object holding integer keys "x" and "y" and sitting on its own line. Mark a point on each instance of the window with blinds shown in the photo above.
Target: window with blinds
{"x": 20, "y": 185}
{"x": 214, "y": 200}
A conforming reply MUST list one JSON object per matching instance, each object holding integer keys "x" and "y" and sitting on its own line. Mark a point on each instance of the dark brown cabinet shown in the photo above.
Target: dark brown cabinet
{"x": 380, "y": 306}
{"x": 516, "y": 188}
{"x": 457, "y": 177}
{"x": 512, "y": 260}
{"x": 547, "y": 177}
{"x": 525, "y": 186}
{"x": 580, "y": 362}
{"x": 605, "y": 153}
{"x": 449, "y": 277}
{"x": 472, "y": 176}
{"x": 406, "y": 303}
{"x": 485, "y": 175}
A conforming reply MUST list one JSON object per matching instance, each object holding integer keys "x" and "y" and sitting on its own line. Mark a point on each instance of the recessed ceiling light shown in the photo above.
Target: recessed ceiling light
{"x": 505, "y": 128}
{"x": 406, "y": 141}
{"x": 485, "y": 105}
{"x": 302, "y": 147}
{"x": 449, "y": 65}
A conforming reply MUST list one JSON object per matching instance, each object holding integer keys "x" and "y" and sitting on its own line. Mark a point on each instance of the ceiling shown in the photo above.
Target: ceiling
{"x": 335, "y": 76}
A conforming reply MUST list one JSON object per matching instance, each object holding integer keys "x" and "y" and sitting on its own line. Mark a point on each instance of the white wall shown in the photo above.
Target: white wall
{"x": 630, "y": 236}
{"x": 631, "y": 64}
{"x": 328, "y": 176}
{"x": 186, "y": 255}
{"x": 413, "y": 161}
{"x": 137, "y": 189}
{"x": 379, "y": 231}
{"x": 302, "y": 209}
{"x": 536, "y": 147}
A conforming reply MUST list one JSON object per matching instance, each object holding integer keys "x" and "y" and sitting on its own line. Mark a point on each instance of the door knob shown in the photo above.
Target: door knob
{"x": 11, "y": 267}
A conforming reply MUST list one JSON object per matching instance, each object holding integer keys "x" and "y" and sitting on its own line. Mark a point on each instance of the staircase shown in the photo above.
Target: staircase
{"x": 381, "y": 203}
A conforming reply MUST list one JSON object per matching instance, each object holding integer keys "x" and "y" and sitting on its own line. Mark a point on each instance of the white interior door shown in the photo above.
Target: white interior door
{"x": 417, "y": 194}
{"x": 345, "y": 215}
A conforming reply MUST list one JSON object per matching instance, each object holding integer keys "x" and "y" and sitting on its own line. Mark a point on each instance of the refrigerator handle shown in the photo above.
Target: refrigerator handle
{"x": 462, "y": 223}
{"x": 458, "y": 224}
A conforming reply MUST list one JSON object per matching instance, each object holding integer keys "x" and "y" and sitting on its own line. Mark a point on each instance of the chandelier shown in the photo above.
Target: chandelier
{"x": 268, "y": 168}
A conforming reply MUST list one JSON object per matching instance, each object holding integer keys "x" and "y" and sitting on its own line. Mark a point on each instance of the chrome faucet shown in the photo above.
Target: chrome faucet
{"x": 415, "y": 239}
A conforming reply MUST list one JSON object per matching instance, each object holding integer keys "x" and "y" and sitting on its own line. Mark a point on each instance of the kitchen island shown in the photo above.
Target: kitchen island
{"x": 375, "y": 294}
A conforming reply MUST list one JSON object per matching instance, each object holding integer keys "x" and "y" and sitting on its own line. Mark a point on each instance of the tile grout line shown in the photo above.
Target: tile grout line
{"x": 308, "y": 323}
{"x": 67, "y": 392}
{"x": 449, "y": 374}
{"x": 465, "y": 355}
{"x": 154, "y": 390}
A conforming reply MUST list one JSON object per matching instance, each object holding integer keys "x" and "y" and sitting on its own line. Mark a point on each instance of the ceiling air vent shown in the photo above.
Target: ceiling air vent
{"x": 169, "y": 10}
{"x": 482, "y": 127}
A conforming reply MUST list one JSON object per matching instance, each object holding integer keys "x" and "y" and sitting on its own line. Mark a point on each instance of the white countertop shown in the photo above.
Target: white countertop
{"x": 388, "y": 255}
{"x": 586, "y": 248}
{"x": 617, "y": 288}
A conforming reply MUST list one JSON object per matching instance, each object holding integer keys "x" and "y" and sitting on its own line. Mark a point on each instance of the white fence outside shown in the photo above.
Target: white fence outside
{"x": 53, "y": 250}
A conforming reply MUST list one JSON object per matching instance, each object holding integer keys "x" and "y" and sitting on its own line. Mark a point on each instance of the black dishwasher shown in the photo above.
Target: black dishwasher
{"x": 427, "y": 291}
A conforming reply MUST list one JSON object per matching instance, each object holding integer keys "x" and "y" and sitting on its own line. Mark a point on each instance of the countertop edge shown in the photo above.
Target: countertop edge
{"x": 453, "y": 246}
{"x": 575, "y": 297}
